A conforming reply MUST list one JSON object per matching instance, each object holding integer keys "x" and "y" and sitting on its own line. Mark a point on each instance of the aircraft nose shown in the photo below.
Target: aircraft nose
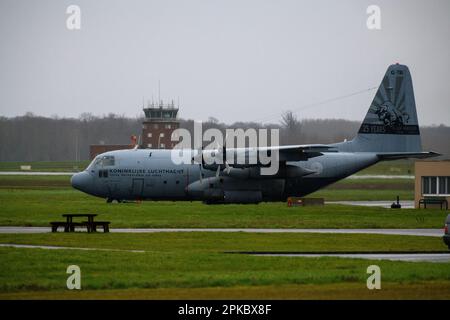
{"x": 81, "y": 181}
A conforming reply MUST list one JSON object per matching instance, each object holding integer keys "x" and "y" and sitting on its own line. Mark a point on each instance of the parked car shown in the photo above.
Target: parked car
{"x": 447, "y": 232}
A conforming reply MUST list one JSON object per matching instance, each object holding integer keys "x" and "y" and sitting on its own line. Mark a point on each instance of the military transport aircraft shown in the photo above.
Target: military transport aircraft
{"x": 389, "y": 131}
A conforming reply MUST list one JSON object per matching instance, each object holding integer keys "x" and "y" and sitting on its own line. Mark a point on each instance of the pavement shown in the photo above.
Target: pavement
{"x": 35, "y": 173}
{"x": 28, "y": 246}
{"x": 405, "y": 232}
{"x": 416, "y": 257}
{"x": 379, "y": 176}
{"x": 406, "y": 204}
{"x": 411, "y": 257}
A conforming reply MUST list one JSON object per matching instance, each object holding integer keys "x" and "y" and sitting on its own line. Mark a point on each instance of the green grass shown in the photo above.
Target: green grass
{"x": 397, "y": 167}
{"x": 425, "y": 290}
{"x": 374, "y": 183}
{"x": 217, "y": 242}
{"x": 36, "y": 200}
{"x": 347, "y": 189}
{"x": 197, "y": 260}
{"x": 194, "y": 265}
{"x": 20, "y": 207}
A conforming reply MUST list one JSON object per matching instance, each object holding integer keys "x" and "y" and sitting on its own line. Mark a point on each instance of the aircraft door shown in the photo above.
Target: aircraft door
{"x": 137, "y": 188}
{"x": 153, "y": 187}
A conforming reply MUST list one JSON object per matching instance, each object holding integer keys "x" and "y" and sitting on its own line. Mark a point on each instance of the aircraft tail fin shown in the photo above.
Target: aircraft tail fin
{"x": 391, "y": 123}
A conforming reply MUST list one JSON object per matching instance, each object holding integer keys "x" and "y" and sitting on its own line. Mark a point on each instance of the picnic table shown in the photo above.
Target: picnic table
{"x": 69, "y": 225}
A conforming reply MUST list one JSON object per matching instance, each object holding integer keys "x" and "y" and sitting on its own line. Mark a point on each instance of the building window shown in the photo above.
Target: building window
{"x": 162, "y": 146}
{"x": 149, "y": 135}
{"x": 168, "y": 126}
{"x": 149, "y": 145}
{"x": 161, "y": 134}
{"x": 444, "y": 185}
{"x": 156, "y": 126}
{"x": 436, "y": 185}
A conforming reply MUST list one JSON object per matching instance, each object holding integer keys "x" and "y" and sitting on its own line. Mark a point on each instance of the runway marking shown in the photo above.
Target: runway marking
{"x": 29, "y": 246}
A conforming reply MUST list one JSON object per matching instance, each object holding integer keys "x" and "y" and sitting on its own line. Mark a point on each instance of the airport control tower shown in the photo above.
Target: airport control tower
{"x": 160, "y": 121}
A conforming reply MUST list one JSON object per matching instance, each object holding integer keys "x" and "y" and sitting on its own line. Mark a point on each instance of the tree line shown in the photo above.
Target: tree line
{"x": 36, "y": 138}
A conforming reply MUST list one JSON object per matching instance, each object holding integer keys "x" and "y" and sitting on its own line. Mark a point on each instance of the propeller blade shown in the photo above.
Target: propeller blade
{"x": 218, "y": 171}
{"x": 227, "y": 167}
{"x": 201, "y": 173}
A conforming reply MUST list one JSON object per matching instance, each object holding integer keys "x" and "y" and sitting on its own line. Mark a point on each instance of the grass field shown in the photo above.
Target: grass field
{"x": 181, "y": 264}
{"x": 36, "y": 200}
{"x": 28, "y": 207}
{"x": 199, "y": 265}
{"x": 397, "y": 167}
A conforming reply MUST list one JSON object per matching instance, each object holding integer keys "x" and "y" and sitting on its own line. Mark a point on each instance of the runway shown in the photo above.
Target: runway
{"x": 406, "y": 204}
{"x": 404, "y": 232}
{"x": 35, "y": 173}
{"x": 29, "y": 246}
{"x": 411, "y": 257}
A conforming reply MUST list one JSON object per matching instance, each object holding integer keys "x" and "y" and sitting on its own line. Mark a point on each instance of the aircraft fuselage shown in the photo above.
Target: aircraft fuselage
{"x": 151, "y": 175}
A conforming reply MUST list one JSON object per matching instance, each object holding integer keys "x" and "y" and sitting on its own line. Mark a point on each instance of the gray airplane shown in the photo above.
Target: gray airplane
{"x": 389, "y": 131}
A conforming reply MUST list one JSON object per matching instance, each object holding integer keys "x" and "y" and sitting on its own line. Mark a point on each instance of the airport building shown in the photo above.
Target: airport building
{"x": 432, "y": 183}
{"x": 157, "y": 128}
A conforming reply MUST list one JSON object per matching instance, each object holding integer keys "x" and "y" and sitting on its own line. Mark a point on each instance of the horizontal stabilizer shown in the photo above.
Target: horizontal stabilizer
{"x": 404, "y": 155}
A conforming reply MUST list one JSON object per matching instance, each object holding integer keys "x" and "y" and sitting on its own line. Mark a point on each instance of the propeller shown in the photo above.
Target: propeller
{"x": 227, "y": 168}
{"x": 199, "y": 159}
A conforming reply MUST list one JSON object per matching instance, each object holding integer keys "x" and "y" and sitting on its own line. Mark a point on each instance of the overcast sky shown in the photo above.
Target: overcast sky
{"x": 230, "y": 59}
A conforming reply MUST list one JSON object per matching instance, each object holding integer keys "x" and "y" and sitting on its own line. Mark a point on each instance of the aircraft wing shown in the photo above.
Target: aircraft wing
{"x": 251, "y": 155}
{"x": 300, "y": 152}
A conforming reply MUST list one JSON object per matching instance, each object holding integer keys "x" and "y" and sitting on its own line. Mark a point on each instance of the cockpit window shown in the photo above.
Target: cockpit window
{"x": 108, "y": 161}
{"x": 102, "y": 161}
